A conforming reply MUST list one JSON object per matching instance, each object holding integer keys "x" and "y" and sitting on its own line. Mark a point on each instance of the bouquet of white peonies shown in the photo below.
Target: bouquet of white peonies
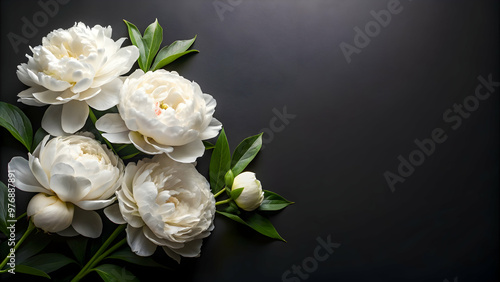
{"x": 118, "y": 149}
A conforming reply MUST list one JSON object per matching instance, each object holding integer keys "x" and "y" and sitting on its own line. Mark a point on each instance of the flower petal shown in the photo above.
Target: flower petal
{"x": 188, "y": 153}
{"x": 38, "y": 171}
{"x": 212, "y": 130}
{"x": 191, "y": 249}
{"x": 27, "y": 97}
{"x": 108, "y": 97}
{"x": 114, "y": 214}
{"x": 138, "y": 243}
{"x": 74, "y": 115}
{"x": 70, "y": 188}
{"x": 138, "y": 140}
{"x": 51, "y": 121}
{"x": 87, "y": 223}
{"x": 81, "y": 85}
{"x": 68, "y": 232}
{"x": 172, "y": 254}
{"x": 53, "y": 97}
{"x": 118, "y": 138}
{"x": 25, "y": 180}
{"x": 95, "y": 204}
{"x": 111, "y": 123}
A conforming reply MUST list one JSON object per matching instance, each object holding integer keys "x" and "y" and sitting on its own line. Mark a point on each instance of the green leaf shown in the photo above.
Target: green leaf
{"x": 219, "y": 163}
{"x": 245, "y": 153}
{"x": 48, "y": 262}
{"x": 3, "y": 208}
{"x": 114, "y": 273}
{"x": 208, "y": 145}
{"x": 257, "y": 223}
{"x": 17, "y": 123}
{"x": 35, "y": 244}
{"x": 30, "y": 270}
{"x": 153, "y": 36}
{"x": 236, "y": 193}
{"x": 127, "y": 255}
{"x": 172, "y": 52}
{"x": 232, "y": 208}
{"x": 136, "y": 38}
{"x": 78, "y": 246}
{"x": 39, "y": 135}
{"x": 273, "y": 202}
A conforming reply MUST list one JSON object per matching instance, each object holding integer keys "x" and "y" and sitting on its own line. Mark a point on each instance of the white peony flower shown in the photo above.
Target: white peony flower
{"x": 165, "y": 203}
{"x": 50, "y": 213}
{"x": 76, "y": 171}
{"x": 252, "y": 195}
{"x": 75, "y": 68}
{"x": 162, "y": 112}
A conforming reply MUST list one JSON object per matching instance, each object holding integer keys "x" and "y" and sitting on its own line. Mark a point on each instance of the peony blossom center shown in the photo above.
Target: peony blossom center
{"x": 173, "y": 200}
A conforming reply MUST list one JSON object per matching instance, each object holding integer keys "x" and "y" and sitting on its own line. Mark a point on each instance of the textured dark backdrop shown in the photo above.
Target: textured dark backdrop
{"x": 348, "y": 123}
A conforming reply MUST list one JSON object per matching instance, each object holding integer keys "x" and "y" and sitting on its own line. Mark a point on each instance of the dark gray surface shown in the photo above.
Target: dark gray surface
{"x": 351, "y": 122}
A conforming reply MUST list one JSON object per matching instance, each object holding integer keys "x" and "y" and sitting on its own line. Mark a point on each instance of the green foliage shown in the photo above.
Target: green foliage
{"x": 149, "y": 44}
{"x": 17, "y": 123}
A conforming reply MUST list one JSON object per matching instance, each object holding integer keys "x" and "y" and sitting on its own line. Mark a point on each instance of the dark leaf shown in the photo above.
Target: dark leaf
{"x": 219, "y": 163}
{"x": 245, "y": 153}
{"x": 273, "y": 202}
{"x": 17, "y": 123}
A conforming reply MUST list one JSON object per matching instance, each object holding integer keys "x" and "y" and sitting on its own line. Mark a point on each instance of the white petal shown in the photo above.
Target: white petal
{"x": 95, "y": 204}
{"x": 108, "y": 97}
{"x": 51, "y": 121}
{"x": 68, "y": 232}
{"x": 138, "y": 140}
{"x": 138, "y": 243}
{"x": 191, "y": 249}
{"x": 27, "y": 97}
{"x": 81, "y": 85}
{"x": 89, "y": 93}
{"x": 53, "y": 97}
{"x": 114, "y": 214}
{"x": 118, "y": 138}
{"x": 24, "y": 77}
{"x": 70, "y": 188}
{"x": 172, "y": 254}
{"x": 188, "y": 153}
{"x": 212, "y": 130}
{"x": 38, "y": 171}
{"x": 25, "y": 180}
{"x": 31, "y": 102}
{"x": 74, "y": 115}
{"x": 87, "y": 223}
{"x": 61, "y": 168}
{"x": 111, "y": 123}
{"x": 159, "y": 241}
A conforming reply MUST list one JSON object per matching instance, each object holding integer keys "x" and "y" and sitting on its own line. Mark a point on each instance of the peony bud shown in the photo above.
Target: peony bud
{"x": 50, "y": 213}
{"x": 252, "y": 196}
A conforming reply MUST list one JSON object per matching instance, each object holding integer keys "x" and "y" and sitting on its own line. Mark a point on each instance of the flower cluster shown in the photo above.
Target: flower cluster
{"x": 125, "y": 146}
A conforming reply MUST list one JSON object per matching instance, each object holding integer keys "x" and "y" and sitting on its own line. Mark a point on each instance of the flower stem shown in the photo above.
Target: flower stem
{"x": 28, "y": 231}
{"x": 223, "y": 202}
{"x": 219, "y": 193}
{"x": 98, "y": 255}
{"x": 21, "y": 216}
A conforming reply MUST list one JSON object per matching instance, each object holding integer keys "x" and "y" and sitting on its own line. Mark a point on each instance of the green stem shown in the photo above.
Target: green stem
{"x": 220, "y": 192}
{"x": 21, "y": 216}
{"x": 107, "y": 253}
{"x": 223, "y": 202}
{"x": 86, "y": 269}
{"x": 28, "y": 231}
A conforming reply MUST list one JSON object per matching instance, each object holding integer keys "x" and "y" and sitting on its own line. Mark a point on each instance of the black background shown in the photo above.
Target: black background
{"x": 352, "y": 121}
